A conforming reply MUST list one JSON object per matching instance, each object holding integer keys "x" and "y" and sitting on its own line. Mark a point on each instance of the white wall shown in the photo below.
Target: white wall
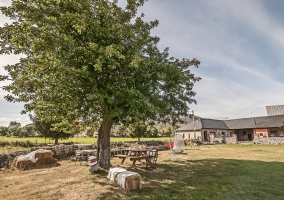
{"x": 190, "y": 134}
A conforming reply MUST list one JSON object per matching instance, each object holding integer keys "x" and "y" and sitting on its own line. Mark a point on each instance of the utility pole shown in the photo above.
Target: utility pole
{"x": 193, "y": 125}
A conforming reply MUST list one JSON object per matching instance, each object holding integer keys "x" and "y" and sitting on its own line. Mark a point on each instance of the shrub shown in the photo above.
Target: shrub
{"x": 4, "y": 143}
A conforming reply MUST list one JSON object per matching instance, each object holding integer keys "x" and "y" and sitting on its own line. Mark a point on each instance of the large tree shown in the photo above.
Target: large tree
{"x": 48, "y": 129}
{"x": 14, "y": 123}
{"x": 95, "y": 61}
{"x": 137, "y": 129}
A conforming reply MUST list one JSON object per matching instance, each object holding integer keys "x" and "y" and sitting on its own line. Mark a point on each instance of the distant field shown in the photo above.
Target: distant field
{"x": 79, "y": 140}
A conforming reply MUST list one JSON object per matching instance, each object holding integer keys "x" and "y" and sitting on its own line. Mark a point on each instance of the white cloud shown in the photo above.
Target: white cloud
{"x": 239, "y": 45}
{"x": 234, "y": 101}
{"x": 253, "y": 13}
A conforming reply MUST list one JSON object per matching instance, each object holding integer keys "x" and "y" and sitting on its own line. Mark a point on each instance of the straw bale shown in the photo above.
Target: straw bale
{"x": 93, "y": 168}
{"x": 44, "y": 157}
{"x": 24, "y": 164}
{"x": 13, "y": 164}
{"x": 113, "y": 172}
{"x": 132, "y": 182}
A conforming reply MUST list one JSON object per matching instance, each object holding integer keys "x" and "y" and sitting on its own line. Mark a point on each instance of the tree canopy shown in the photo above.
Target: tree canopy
{"x": 93, "y": 60}
{"x": 48, "y": 130}
{"x": 14, "y": 123}
{"x": 137, "y": 129}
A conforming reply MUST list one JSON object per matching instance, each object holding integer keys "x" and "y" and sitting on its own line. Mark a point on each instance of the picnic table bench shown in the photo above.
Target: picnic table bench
{"x": 137, "y": 155}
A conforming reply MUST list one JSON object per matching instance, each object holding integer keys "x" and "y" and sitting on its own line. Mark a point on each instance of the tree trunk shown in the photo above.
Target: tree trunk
{"x": 56, "y": 140}
{"x": 103, "y": 151}
{"x": 138, "y": 139}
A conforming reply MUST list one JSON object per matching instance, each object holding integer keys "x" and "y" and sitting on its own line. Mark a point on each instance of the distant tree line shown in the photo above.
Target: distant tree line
{"x": 140, "y": 129}
{"x": 15, "y": 130}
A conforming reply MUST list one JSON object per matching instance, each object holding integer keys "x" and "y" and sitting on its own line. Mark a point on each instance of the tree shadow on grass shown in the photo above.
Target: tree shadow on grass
{"x": 205, "y": 179}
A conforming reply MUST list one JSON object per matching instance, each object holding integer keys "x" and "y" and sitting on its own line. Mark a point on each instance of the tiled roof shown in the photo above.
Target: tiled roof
{"x": 214, "y": 124}
{"x": 244, "y": 123}
{"x": 190, "y": 126}
{"x": 256, "y": 122}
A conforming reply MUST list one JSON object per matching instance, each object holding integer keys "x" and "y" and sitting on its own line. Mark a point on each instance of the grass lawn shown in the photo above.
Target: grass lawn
{"x": 79, "y": 140}
{"x": 211, "y": 172}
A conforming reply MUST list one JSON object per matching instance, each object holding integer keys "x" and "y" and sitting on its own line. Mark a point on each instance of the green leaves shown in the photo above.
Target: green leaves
{"x": 92, "y": 59}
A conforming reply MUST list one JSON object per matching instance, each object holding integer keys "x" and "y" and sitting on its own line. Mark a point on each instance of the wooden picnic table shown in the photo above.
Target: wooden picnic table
{"x": 134, "y": 155}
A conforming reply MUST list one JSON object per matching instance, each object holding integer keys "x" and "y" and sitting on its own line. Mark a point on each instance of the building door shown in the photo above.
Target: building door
{"x": 212, "y": 134}
{"x": 205, "y": 136}
{"x": 250, "y": 137}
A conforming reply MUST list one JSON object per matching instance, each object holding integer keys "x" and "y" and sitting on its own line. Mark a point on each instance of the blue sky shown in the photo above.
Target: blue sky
{"x": 239, "y": 43}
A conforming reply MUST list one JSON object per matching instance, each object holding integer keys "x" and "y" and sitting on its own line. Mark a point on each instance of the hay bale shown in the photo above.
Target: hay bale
{"x": 113, "y": 172}
{"x": 44, "y": 157}
{"x": 128, "y": 180}
{"x": 25, "y": 164}
{"x": 13, "y": 164}
{"x": 93, "y": 168}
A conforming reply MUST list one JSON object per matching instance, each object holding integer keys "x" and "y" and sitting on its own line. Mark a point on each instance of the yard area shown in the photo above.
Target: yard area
{"x": 211, "y": 172}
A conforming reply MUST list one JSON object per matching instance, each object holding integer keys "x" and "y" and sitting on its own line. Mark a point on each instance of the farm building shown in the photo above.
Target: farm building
{"x": 244, "y": 129}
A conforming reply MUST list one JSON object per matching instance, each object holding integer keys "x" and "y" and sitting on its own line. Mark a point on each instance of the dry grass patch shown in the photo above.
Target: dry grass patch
{"x": 211, "y": 172}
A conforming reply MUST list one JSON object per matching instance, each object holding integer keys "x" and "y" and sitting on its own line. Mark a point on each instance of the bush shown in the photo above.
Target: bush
{"x": 27, "y": 143}
{"x": 17, "y": 143}
{"x": 4, "y": 143}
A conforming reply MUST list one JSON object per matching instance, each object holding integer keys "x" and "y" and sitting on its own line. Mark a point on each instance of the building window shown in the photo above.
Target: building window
{"x": 273, "y": 133}
{"x": 189, "y": 136}
{"x": 244, "y": 133}
{"x": 223, "y": 133}
{"x": 261, "y": 134}
{"x": 231, "y": 134}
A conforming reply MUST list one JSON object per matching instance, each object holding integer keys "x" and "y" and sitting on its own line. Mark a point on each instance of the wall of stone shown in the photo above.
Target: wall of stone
{"x": 216, "y": 140}
{"x": 231, "y": 140}
{"x": 6, "y": 159}
{"x": 61, "y": 151}
{"x": 270, "y": 140}
{"x": 225, "y": 140}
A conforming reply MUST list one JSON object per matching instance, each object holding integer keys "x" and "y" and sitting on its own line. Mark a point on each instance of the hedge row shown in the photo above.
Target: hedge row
{"x": 17, "y": 143}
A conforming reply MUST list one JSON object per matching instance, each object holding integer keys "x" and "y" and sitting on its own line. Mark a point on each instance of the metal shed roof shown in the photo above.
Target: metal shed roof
{"x": 275, "y": 110}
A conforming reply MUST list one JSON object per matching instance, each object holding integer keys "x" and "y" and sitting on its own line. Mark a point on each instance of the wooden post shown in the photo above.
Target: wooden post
{"x": 193, "y": 125}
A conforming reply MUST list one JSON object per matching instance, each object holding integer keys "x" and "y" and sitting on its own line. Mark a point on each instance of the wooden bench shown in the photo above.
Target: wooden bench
{"x": 123, "y": 157}
{"x": 134, "y": 159}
